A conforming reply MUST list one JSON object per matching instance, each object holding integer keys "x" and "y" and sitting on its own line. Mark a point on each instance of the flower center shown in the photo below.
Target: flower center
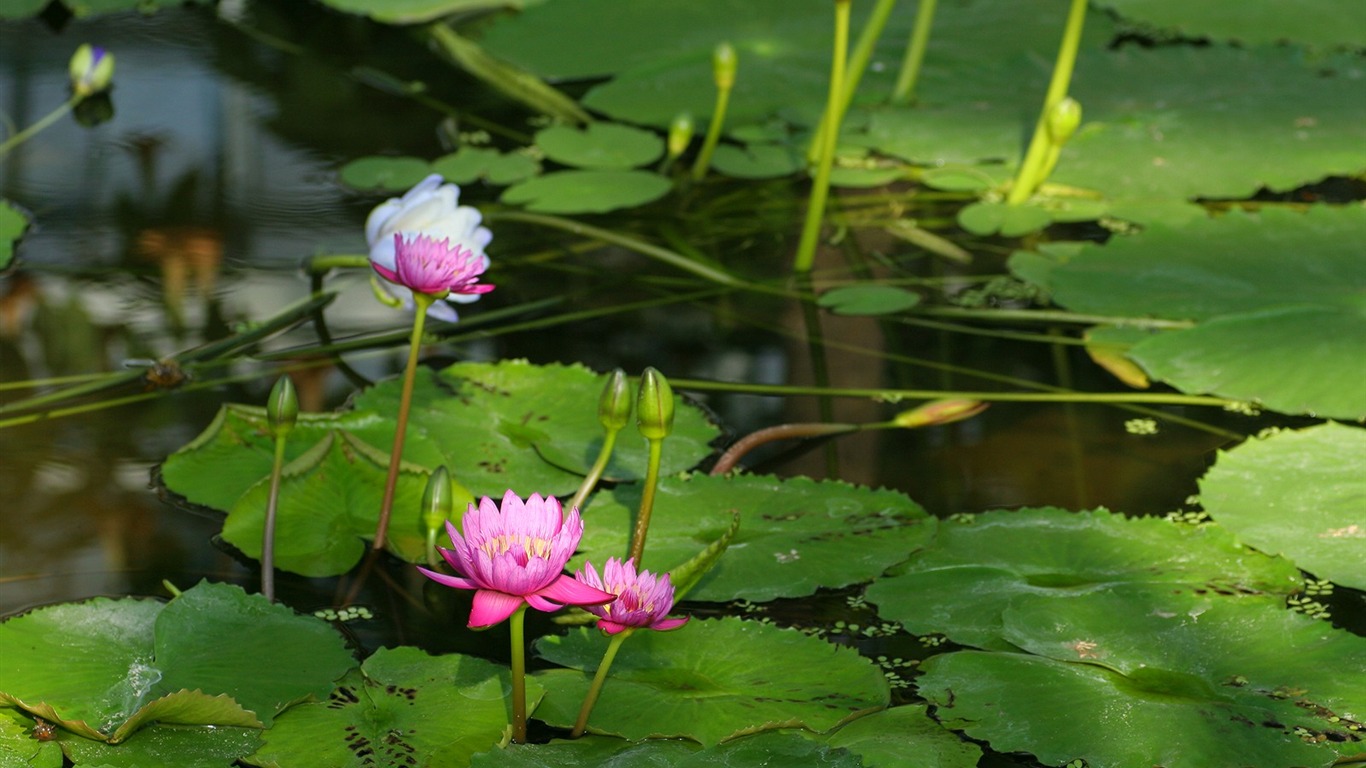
{"x": 530, "y": 546}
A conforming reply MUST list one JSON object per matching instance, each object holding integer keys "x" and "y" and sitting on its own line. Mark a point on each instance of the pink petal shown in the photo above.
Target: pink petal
{"x": 384, "y": 272}
{"x": 450, "y": 581}
{"x": 542, "y": 604}
{"x": 664, "y": 625}
{"x": 491, "y": 607}
{"x": 567, "y": 590}
{"x": 612, "y": 627}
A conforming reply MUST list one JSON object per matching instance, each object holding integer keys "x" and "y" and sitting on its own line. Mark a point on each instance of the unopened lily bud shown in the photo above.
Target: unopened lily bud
{"x": 1063, "y": 120}
{"x": 92, "y": 69}
{"x": 680, "y": 134}
{"x": 614, "y": 407}
{"x": 939, "y": 412}
{"x": 655, "y": 409}
{"x": 723, "y": 65}
{"x": 438, "y": 501}
{"x": 282, "y": 410}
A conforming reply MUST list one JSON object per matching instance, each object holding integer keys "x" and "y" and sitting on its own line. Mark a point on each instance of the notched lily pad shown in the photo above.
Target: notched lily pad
{"x": 588, "y": 191}
{"x": 868, "y": 299}
{"x": 600, "y": 146}
{"x": 470, "y": 164}
{"x": 385, "y": 174}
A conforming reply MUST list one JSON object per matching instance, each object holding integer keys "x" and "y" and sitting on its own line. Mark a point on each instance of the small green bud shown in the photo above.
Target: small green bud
{"x": 438, "y": 501}
{"x": 92, "y": 69}
{"x": 723, "y": 66}
{"x": 614, "y": 408}
{"x": 680, "y": 134}
{"x": 655, "y": 409}
{"x": 282, "y": 410}
{"x": 1063, "y": 120}
{"x": 939, "y": 412}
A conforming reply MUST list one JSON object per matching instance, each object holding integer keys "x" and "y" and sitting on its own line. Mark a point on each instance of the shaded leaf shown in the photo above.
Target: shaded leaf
{"x": 868, "y": 299}
{"x": 587, "y": 191}
{"x": 600, "y": 146}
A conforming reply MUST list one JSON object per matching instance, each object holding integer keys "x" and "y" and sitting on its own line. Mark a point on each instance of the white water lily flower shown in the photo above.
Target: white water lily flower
{"x": 430, "y": 208}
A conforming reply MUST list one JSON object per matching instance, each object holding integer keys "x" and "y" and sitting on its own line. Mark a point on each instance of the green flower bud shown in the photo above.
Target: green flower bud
{"x": 438, "y": 501}
{"x": 614, "y": 408}
{"x": 1063, "y": 120}
{"x": 282, "y": 410}
{"x": 723, "y": 65}
{"x": 680, "y": 134}
{"x": 655, "y": 409}
{"x": 939, "y": 412}
{"x": 92, "y": 69}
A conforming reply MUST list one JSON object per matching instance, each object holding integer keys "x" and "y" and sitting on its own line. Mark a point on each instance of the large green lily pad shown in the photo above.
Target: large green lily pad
{"x": 709, "y": 681}
{"x": 1299, "y": 494}
{"x": 904, "y": 736}
{"x": 962, "y": 583}
{"x": 1322, "y": 23}
{"x": 762, "y": 749}
{"x": 600, "y": 145}
{"x": 1277, "y": 296}
{"x": 104, "y": 668}
{"x": 18, "y": 748}
{"x": 402, "y": 707}
{"x": 587, "y": 191}
{"x": 795, "y": 535}
{"x": 181, "y": 746}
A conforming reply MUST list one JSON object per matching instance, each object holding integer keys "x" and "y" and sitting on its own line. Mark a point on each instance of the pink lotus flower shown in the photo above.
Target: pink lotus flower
{"x": 516, "y": 555}
{"x": 643, "y": 599}
{"x": 430, "y": 208}
{"x": 437, "y": 268}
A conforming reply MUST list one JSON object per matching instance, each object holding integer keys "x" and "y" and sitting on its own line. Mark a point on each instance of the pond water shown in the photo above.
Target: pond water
{"x": 187, "y": 216}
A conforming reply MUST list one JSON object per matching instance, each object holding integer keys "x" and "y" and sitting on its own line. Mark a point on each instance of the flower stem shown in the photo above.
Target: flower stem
{"x": 595, "y": 689}
{"x": 516, "y": 627}
{"x": 48, "y": 119}
{"x": 590, "y": 480}
{"x": 1030, "y": 175}
{"x": 858, "y": 64}
{"x": 647, "y": 501}
{"x": 422, "y": 302}
{"x": 829, "y": 133}
{"x": 268, "y": 534}
{"x": 904, "y": 90}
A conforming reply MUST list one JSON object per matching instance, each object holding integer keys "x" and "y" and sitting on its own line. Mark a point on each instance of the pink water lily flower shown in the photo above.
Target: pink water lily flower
{"x": 430, "y": 208}
{"x": 642, "y": 601}
{"x": 516, "y": 555}
{"x": 426, "y": 265}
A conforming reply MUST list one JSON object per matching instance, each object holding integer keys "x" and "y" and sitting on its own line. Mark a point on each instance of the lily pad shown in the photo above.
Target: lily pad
{"x": 795, "y": 536}
{"x": 901, "y": 736}
{"x": 13, "y": 222}
{"x": 976, "y": 568}
{"x": 470, "y": 164}
{"x": 104, "y": 668}
{"x": 763, "y": 749}
{"x": 710, "y": 681}
{"x": 587, "y": 191}
{"x": 18, "y": 748}
{"x": 1062, "y": 711}
{"x": 1323, "y": 23}
{"x": 600, "y": 146}
{"x": 868, "y": 299}
{"x": 386, "y": 174}
{"x": 1298, "y": 494}
{"x": 182, "y": 746}
{"x": 990, "y": 218}
{"x": 758, "y": 161}
{"x": 408, "y": 11}
{"x": 402, "y": 707}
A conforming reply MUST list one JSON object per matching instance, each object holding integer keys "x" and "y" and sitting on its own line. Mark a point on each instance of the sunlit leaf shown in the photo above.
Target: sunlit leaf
{"x": 402, "y": 707}
{"x": 18, "y": 747}
{"x": 386, "y": 174}
{"x": 470, "y": 164}
{"x": 1323, "y": 23}
{"x": 182, "y": 746}
{"x": 600, "y": 146}
{"x": 587, "y": 191}
{"x": 1297, "y": 493}
{"x": 709, "y": 681}
{"x": 795, "y": 536}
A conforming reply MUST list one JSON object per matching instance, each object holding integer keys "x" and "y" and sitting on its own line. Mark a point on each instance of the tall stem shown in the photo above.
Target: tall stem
{"x": 1029, "y": 177}
{"x": 820, "y": 188}
{"x": 858, "y": 64}
{"x": 590, "y": 480}
{"x": 517, "y": 627}
{"x": 49, "y": 119}
{"x": 647, "y": 501}
{"x": 268, "y": 534}
{"x": 423, "y": 301}
{"x": 595, "y": 689}
{"x": 904, "y": 90}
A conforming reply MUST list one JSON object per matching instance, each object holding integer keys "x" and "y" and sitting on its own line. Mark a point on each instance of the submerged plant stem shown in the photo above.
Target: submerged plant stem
{"x": 829, "y": 134}
{"x": 422, "y": 302}
{"x": 1030, "y": 175}
{"x": 647, "y": 501}
{"x": 753, "y": 440}
{"x": 268, "y": 534}
{"x": 595, "y": 689}
{"x": 904, "y": 90}
{"x": 517, "y": 628}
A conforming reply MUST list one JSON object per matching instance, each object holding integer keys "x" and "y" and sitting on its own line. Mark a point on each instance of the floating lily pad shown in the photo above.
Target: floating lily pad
{"x": 709, "y": 681}
{"x": 795, "y": 536}
{"x": 1323, "y": 23}
{"x": 104, "y": 668}
{"x": 407, "y": 11}
{"x": 402, "y": 707}
{"x": 18, "y": 748}
{"x": 1061, "y": 711}
{"x": 182, "y": 746}
{"x": 990, "y": 218}
{"x": 868, "y": 299}
{"x": 13, "y": 222}
{"x": 904, "y": 736}
{"x": 587, "y": 191}
{"x": 602, "y": 146}
{"x": 975, "y": 569}
{"x": 386, "y": 174}
{"x": 763, "y": 749}
{"x": 1277, "y": 295}
{"x": 475, "y": 163}
{"x": 1297, "y": 493}
{"x": 758, "y": 161}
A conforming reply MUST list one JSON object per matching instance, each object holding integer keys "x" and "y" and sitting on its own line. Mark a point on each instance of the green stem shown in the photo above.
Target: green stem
{"x": 904, "y": 90}
{"x": 1055, "y": 316}
{"x": 1029, "y": 177}
{"x": 590, "y": 480}
{"x": 896, "y": 395}
{"x": 595, "y": 689}
{"x": 49, "y": 119}
{"x": 328, "y": 262}
{"x": 713, "y": 137}
{"x": 829, "y": 133}
{"x": 434, "y": 559}
{"x": 858, "y": 64}
{"x": 517, "y": 628}
{"x": 647, "y": 502}
{"x": 422, "y": 302}
{"x": 268, "y": 534}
